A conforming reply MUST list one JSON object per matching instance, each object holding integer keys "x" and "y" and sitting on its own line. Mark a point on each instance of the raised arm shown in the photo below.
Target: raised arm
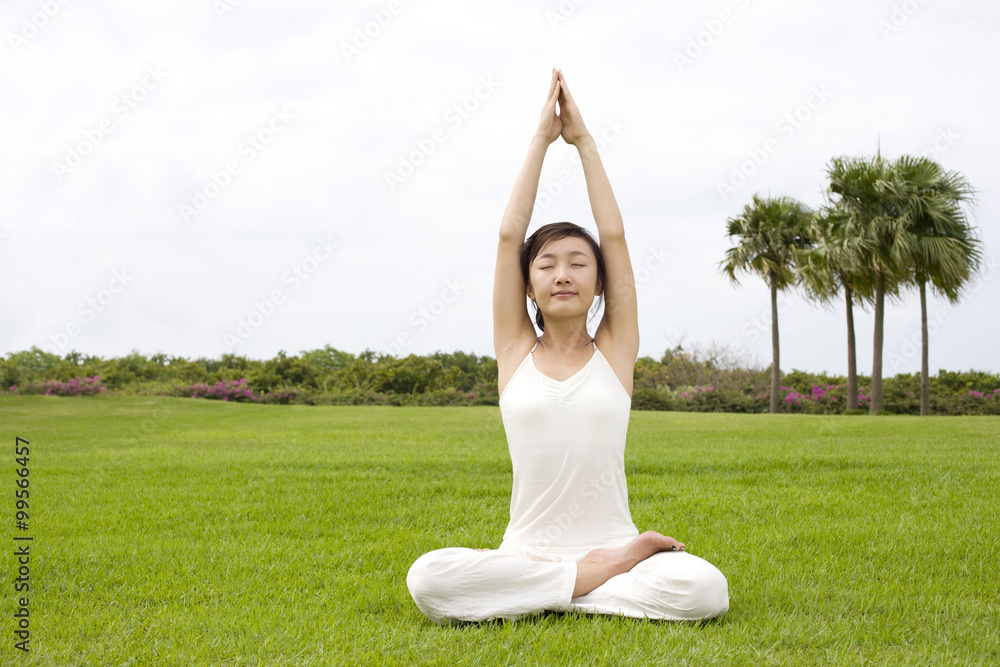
{"x": 512, "y": 326}
{"x": 618, "y": 332}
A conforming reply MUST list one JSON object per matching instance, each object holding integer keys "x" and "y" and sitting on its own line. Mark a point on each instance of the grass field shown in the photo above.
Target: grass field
{"x": 180, "y": 531}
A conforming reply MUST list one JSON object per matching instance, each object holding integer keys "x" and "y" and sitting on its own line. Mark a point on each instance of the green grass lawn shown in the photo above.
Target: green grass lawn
{"x": 181, "y": 531}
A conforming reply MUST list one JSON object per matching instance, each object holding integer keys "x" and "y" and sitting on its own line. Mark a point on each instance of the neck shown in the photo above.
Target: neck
{"x": 565, "y": 335}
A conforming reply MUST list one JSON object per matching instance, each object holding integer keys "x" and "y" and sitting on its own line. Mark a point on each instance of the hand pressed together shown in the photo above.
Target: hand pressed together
{"x": 550, "y": 125}
{"x": 573, "y": 129}
{"x": 565, "y": 120}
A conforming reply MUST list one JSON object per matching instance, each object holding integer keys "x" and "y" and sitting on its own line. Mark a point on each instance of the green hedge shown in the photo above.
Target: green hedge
{"x": 679, "y": 381}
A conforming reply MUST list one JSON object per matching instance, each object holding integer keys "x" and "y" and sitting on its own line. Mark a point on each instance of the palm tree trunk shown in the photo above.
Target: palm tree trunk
{"x": 775, "y": 365}
{"x": 876, "y": 405}
{"x": 925, "y": 385}
{"x": 852, "y": 358}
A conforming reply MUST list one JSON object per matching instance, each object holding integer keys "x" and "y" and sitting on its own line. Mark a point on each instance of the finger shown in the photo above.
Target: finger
{"x": 550, "y": 101}
{"x": 565, "y": 101}
{"x": 565, "y": 87}
{"x": 555, "y": 82}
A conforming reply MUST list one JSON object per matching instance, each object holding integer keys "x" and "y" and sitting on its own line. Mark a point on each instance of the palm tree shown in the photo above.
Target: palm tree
{"x": 864, "y": 188}
{"x": 771, "y": 233}
{"x": 941, "y": 245}
{"x": 837, "y": 263}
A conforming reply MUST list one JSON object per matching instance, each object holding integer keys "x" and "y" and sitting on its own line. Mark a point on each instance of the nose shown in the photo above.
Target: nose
{"x": 562, "y": 274}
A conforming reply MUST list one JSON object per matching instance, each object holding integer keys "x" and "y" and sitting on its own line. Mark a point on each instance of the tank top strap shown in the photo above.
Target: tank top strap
{"x": 595, "y": 343}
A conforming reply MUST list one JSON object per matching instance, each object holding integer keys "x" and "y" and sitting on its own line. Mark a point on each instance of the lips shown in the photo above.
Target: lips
{"x": 564, "y": 294}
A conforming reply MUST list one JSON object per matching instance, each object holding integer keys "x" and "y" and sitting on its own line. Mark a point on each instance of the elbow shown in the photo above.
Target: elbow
{"x": 511, "y": 234}
{"x": 610, "y": 227}
{"x": 611, "y": 235}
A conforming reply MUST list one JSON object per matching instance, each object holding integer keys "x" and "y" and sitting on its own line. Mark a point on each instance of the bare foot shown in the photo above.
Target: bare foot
{"x": 600, "y": 565}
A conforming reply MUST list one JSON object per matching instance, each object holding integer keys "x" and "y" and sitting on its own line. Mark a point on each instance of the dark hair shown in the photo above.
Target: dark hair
{"x": 553, "y": 232}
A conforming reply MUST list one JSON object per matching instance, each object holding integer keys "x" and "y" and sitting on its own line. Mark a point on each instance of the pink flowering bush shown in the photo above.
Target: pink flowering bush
{"x": 699, "y": 398}
{"x": 76, "y": 387}
{"x": 823, "y": 399}
{"x": 971, "y": 402}
{"x": 241, "y": 391}
{"x": 987, "y": 395}
{"x": 695, "y": 395}
{"x": 223, "y": 390}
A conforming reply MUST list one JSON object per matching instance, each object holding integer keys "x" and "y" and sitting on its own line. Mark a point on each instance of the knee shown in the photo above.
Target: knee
{"x": 685, "y": 586}
{"x": 422, "y": 580}
{"x": 428, "y": 586}
{"x": 709, "y": 593}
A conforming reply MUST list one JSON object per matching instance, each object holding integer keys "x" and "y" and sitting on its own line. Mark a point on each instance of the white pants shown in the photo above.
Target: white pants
{"x": 459, "y": 584}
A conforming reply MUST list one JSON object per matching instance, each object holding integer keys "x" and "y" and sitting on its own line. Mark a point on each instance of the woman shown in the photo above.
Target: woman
{"x": 565, "y": 399}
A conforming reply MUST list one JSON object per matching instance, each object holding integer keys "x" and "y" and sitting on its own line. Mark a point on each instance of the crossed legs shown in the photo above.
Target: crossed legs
{"x": 641, "y": 579}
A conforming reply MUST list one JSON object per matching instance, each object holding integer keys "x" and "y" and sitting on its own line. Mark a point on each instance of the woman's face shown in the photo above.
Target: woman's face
{"x": 563, "y": 278}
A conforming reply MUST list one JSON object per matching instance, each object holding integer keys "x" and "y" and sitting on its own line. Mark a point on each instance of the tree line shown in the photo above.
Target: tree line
{"x": 716, "y": 379}
{"x": 886, "y": 226}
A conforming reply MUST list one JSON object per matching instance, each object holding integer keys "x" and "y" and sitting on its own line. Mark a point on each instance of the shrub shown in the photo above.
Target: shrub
{"x": 288, "y": 395}
{"x": 713, "y": 379}
{"x": 971, "y": 402}
{"x": 644, "y": 398}
{"x": 224, "y": 390}
{"x": 76, "y": 387}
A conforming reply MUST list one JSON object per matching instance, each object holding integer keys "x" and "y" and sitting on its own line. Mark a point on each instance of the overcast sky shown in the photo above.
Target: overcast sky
{"x": 198, "y": 178}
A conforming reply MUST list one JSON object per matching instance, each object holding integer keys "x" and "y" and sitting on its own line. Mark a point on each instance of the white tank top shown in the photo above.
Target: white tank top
{"x": 567, "y": 446}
